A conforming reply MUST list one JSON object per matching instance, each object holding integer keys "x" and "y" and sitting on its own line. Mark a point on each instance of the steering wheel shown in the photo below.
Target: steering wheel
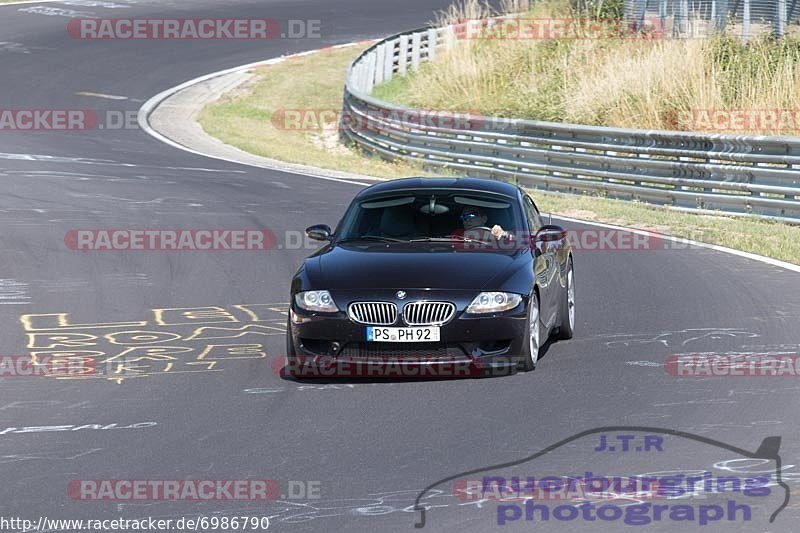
{"x": 507, "y": 235}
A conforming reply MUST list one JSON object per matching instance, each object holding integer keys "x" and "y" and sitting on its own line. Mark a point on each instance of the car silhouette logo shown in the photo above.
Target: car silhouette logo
{"x": 475, "y": 485}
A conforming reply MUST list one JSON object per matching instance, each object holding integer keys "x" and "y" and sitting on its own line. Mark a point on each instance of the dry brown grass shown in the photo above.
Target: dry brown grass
{"x": 657, "y": 83}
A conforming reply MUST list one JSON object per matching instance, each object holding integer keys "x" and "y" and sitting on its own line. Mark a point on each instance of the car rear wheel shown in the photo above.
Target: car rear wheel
{"x": 567, "y": 312}
{"x": 531, "y": 342}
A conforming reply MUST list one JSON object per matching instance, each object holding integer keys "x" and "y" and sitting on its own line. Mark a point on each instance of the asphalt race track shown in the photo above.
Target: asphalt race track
{"x": 224, "y": 413}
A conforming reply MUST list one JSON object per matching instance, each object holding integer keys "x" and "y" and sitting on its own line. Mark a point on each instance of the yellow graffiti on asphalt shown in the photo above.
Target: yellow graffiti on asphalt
{"x": 178, "y": 340}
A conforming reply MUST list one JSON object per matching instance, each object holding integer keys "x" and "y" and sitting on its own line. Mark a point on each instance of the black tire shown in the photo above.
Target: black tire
{"x": 528, "y": 359}
{"x": 567, "y": 329}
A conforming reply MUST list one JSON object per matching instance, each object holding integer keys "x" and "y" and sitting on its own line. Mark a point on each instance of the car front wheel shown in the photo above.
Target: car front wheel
{"x": 567, "y": 311}
{"x": 531, "y": 342}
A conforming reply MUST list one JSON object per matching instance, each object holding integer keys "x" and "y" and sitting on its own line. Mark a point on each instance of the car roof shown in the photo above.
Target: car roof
{"x": 455, "y": 184}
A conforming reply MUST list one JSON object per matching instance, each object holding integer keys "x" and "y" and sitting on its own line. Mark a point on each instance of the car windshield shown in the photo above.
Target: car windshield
{"x": 427, "y": 215}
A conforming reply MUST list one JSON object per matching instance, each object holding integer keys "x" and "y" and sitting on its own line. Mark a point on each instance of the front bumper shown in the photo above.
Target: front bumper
{"x": 468, "y": 345}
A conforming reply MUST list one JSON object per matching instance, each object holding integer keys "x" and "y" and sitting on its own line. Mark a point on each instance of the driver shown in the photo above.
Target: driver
{"x": 474, "y": 217}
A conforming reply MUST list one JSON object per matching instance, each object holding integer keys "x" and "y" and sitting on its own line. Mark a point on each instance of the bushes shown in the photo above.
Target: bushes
{"x": 599, "y": 9}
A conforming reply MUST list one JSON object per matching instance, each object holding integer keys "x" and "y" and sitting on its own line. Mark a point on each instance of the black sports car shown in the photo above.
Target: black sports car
{"x": 432, "y": 273}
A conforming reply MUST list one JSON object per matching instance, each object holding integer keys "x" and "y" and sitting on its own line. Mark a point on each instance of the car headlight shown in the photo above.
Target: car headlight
{"x": 316, "y": 301}
{"x": 493, "y": 302}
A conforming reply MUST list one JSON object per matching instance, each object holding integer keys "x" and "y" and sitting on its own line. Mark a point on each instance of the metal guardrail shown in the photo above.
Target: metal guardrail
{"x": 686, "y": 17}
{"x": 754, "y": 175}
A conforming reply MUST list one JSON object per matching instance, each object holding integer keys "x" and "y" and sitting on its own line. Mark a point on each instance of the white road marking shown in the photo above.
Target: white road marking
{"x": 21, "y": 2}
{"x": 70, "y": 427}
{"x": 330, "y": 386}
{"x": 101, "y": 95}
{"x": 51, "y": 158}
{"x": 56, "y": 12}
{"x": 93, "y": 3}
{"x": 89, "y": 161}
{"x": 7, "y": 46}
{"x": 13, "y": 292}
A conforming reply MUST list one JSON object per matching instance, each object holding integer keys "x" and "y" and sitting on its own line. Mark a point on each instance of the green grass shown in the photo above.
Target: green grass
{"x": 254, "y": 117}
{"x": 770, "y": 239}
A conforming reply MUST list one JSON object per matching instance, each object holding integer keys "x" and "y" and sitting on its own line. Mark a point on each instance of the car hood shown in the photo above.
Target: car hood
{"x": 409, "y": 266}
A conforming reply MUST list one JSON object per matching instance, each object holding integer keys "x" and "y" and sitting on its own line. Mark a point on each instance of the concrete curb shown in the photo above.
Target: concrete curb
{"x": 171, "y": 117}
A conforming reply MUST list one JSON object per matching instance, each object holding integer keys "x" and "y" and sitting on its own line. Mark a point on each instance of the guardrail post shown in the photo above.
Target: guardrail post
{"x": 380, "y": 58}
{"x": 356, "y": 77}
{"x": 449, "y": 36}
{"x": 432, "y": 44}
{"x": 680, "y": 26}
{"x": 639, "y": 12}
{"x": 720, "y": 8}
{"x": 416, "y": 40}
{"x": 362, "y": 77}
{"x": 371, "y": 73}
{"x": 388, "y": 62}
{"x": 402, "y": 58}
{"x": 780, "y": 19}
{"x": 746, "y": 21}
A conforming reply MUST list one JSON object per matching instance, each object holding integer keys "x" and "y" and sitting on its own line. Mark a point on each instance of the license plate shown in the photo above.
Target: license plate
{"x": 402, "y": 334}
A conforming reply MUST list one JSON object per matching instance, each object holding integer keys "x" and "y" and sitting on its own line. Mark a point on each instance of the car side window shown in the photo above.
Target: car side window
{"x": 534, "y": 220}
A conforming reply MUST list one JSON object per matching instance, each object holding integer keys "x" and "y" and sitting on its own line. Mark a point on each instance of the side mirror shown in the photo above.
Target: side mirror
{"x": 551, "y": 233}
{"x": 319, "y": 232}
